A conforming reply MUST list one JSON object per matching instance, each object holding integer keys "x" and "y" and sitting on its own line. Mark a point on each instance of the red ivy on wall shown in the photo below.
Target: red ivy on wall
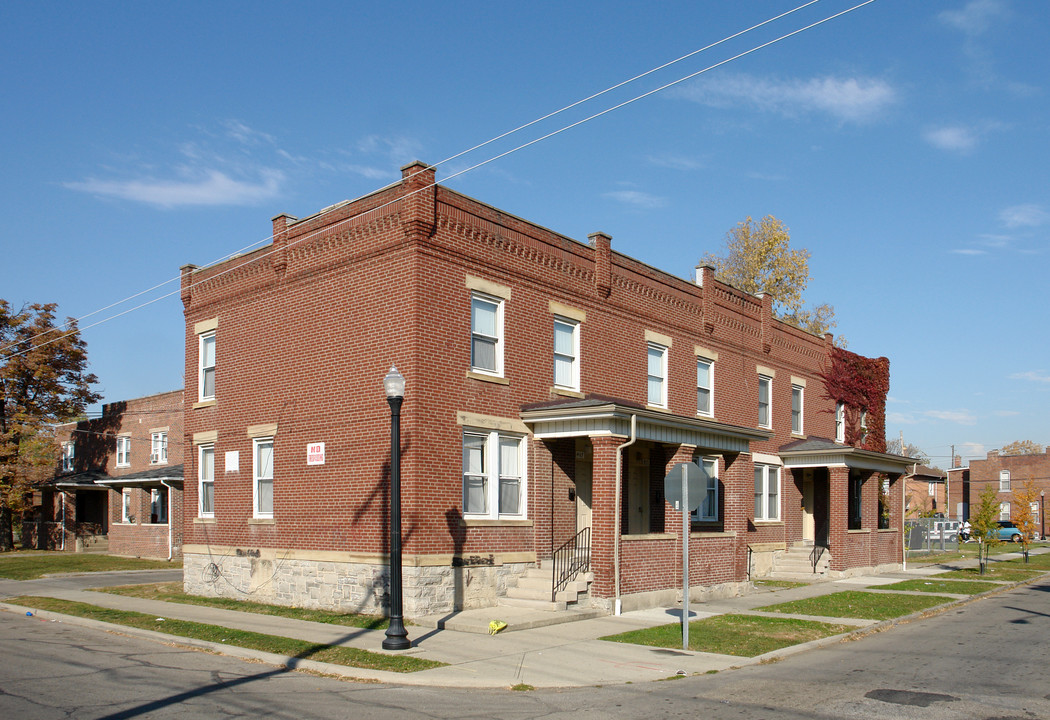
{"x": 860, "y": 384}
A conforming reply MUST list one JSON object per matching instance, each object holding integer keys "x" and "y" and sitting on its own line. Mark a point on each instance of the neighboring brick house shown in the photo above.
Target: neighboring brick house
{"x": 1008, "y": 474}
{"x": 924, "y": 492}
{"x": 119, "y": 483}
{"x": 551, "y": 385}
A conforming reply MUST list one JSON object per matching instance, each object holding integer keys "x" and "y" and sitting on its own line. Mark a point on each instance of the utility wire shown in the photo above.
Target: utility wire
{"x": 549, "y": 135}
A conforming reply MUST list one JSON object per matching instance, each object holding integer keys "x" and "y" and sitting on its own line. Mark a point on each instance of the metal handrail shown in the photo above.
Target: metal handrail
{"x": 570, "y": 560}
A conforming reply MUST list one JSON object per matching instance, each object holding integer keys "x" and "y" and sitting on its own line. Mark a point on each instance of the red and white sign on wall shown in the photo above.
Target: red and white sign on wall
{"x": 315, "y": 453}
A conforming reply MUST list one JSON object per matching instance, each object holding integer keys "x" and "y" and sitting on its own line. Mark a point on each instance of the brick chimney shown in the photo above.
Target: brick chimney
{"x": 602, "y": 244}
{"x": 419, "y": 194}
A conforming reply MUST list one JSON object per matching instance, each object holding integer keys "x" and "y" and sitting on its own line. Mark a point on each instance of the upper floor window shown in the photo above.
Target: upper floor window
{"x": 864, "y": 425}
{"x": 657, "y": 374}
{"x": 493, "y": 474}
{"x": 262, "y": 473}
{"x": 796, "y": 409}
{"x": 1004, "y": 480}
{"x": 765, "y": 389}
{"x": 486, "y": 334}
{"x": 704, "y": 377}
{"x": 840, "y": 422}
{"x": 158, "y": 505}
{"x": 123, "y": 451}
{"x": 158, "y": 453}
{"x": 767, "y": 492}
{"x": 708, "y": 509}
{"x": 206, "y": 481}
{"x": 206, "y": 366}
{"x": 932, "y": 491}
{"x": 566, "y": 353}
{"x": 67, "y": 456}
{"x": 125, "y": 506}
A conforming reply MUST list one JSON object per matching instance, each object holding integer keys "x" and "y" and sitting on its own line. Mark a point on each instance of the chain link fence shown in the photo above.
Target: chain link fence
{"x": 931, "y": 535}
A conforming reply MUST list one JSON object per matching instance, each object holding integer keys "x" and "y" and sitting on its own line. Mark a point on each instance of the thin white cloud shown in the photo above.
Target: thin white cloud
{"x": 850, "y": 99}
{"x": 1024, "y": 216}
{"x": 637, "y": 199}
{"x": 968, "y": 251}
{"x": 975, "y": 17}
{"x": 962, "y": 417}
{"x": 1006, "y": 413}
{"x": 952, "y": 138}
{"x": 971, "y": 449}
{"x": 896, "y": 418}
{"x": 398, "y": 148}
{"x": 1032, "y": 375}
{"x": 211, "y": 187}
{"x": 246, "y": 135}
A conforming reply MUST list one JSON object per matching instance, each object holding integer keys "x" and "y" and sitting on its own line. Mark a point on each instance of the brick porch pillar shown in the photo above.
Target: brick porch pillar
{"x": 604, "y": 531}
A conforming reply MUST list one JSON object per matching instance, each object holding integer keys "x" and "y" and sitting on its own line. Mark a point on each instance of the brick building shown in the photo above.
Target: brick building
{"x": 551, "y": 385}
{"x": 1008, "y": 474}
{"x": 119, "y": 483}
{"x": 924, "y": 492}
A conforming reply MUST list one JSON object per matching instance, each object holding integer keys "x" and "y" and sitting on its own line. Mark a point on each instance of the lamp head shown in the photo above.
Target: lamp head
{"x": 394, "y": 384}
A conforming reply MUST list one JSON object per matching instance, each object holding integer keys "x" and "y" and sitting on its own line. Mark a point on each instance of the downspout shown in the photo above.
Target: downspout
{"x": 904, "y": 531}
{"x": 171, "y": 546}
{"x": 616, "y": 529}
{"x": 63, "y": 521}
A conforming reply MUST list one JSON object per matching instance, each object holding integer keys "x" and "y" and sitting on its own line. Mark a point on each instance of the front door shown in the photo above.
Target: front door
{"x": 808, "y": 525}
{"x": 583, "y": 475}
{"x": 638, "y": 491}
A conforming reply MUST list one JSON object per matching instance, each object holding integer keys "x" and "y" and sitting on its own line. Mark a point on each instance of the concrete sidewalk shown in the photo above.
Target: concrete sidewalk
{"x": 530, "y": 651}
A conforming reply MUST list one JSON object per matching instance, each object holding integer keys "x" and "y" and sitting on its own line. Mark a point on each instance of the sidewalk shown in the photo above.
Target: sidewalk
{"x": 529, "y": 651}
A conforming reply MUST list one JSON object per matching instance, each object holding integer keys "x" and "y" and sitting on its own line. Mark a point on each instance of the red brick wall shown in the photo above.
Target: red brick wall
{"x": 307, "y": 329}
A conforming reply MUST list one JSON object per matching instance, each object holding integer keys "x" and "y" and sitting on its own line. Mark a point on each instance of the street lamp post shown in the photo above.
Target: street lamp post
{"x": 396, "y": 635}
{"x": 1042, "y": 514}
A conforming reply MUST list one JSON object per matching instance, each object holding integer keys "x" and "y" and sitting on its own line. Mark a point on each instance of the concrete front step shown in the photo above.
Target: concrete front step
{"x": 533, "y": 604}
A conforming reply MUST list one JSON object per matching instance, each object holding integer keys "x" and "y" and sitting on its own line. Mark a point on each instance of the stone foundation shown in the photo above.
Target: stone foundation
{"x": 345, "y": 582}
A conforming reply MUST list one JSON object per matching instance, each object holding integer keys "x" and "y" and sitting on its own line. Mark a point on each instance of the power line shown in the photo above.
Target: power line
{"x": 471, "y": 168}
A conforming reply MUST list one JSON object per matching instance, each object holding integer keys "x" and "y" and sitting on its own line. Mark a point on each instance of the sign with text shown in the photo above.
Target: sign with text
{"x": 315, "y": 453}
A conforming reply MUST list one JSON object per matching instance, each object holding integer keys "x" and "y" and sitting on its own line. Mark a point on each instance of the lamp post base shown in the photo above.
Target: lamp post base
{"x": 396, "y": 636}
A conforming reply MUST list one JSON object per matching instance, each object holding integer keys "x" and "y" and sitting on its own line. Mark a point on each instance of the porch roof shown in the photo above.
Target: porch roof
{"x": 600, "y": 415}
{"x": 822, "y": 452}
{"x": 78, "y": 481}
{"x": 145, "y": 478}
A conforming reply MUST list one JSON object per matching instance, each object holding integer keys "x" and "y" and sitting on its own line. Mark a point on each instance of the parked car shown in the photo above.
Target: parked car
{"x": 1008, "y": 531}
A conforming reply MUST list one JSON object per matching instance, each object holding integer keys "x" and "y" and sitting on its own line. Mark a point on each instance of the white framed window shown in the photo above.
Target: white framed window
{"x": 864, "y": 425}
{"x": 797, "y": 397}
{"x": 206, "y": 366}
{"x": 767, "y": 492}
{"x": 705, "y": 370}
{"x": 125, "y": 506}
{"x": 158, "y": 451}
{"x": 1004, "y": 511}
{"x": 840, "y": 422}
{"x": 765, "y": 391}
{"x": 566, "y": 353}
{"x": 932, "y": 489}
{"x": 708, "y": 509}
{"x": 1004, "y": 480}
{"x": 657, "y": 374}
{"x": 262, "y": 477}
{"x": 68, "y": 450}
{"x": 158, "y": 505}
{"x": 493, "y": 474}
{"x": 123, "y": 451}
{"x": 206, "y": 481}
{"x": 486, "y": 334}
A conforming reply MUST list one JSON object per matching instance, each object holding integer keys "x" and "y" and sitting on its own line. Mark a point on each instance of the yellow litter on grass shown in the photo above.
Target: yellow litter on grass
{"x": 495, "y": 626}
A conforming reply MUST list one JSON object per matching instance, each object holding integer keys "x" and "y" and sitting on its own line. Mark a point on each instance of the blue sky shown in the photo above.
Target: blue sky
{"x": 904, "y": 144}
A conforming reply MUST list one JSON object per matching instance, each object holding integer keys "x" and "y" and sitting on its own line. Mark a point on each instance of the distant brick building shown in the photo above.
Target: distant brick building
{"x": 551, "y": 385}
{"x": 118, "y": 486}
{"x": 1008, "y": 474}
{"x": 924, "y": 492}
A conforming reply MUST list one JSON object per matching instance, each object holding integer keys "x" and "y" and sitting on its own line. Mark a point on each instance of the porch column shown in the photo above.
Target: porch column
{"x": 604, "y": 532}
{"x": 838, "y": 516}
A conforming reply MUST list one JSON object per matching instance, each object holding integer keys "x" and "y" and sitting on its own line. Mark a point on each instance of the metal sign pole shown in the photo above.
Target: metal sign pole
{"x": 686, "y": 510}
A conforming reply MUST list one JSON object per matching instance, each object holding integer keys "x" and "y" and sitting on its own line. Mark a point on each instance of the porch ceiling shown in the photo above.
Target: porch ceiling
{"x": 820, "y": 452}
{"x": 608, "y": 416}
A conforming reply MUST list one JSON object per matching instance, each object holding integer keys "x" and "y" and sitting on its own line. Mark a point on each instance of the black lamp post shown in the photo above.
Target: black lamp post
{"x": 396, "y": 635}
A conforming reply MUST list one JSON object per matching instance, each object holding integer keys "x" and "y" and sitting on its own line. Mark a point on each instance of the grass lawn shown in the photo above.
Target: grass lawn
{"x": 30, "y": 567}
{"x": 740, "y": 635}
{"x": 172, "y": 592}
{"x": 969, "y": 551}
{"x": 936, "y": 585}
{"x": 859, "y": 604}
{"x": 775, "y": 585}
{"x": 1035, "y": 562}
{"x": 351, "y": 657}
{"x": 993, "y": 571}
